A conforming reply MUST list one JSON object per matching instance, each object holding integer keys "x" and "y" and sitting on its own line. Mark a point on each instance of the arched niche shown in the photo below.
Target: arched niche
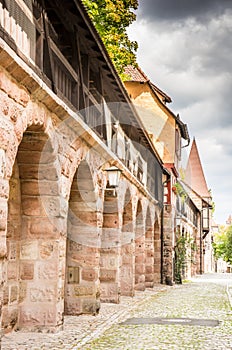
{"x": 35, "y": 227}
{"x": 83, "y": 243}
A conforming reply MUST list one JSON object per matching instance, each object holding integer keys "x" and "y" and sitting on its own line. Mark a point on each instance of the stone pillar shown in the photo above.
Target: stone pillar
{"x": 149, "y": 252}
{"x": 127, "y": 269}
{"x": 110, "y": 261}
{"x": 128, "y": 248}
{"x": 11, "y": 290}
{"x": 157, "y": 253}
{"x": 139, "y": 250}
{"x": 33, "y": 297}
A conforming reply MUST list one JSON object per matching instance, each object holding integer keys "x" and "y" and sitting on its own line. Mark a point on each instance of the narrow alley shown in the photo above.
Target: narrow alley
{"x": 194, "y": 315}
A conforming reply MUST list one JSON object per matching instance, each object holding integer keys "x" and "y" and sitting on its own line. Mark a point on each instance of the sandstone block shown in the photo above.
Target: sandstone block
{"x": 13, "y": 251}
{"x": 31, "y": 206}
{"x": 3, "y": 247}
{"x": 108, "y": 275}
{"x": 47, "y": 271}
{"x": 72, "y": 306}
{"x": 6, "y": 292}
{"x": 46, "y": 250}
{"x": 47, "y": 228}
{"x": 4, "y": 188}
{"x": 29, "y": 250}
{"x": 89, "y": 274}
{"x": 127, "y": 259}
{"x": 27, "y": 271}
{"x": 110, "y": 221}
{"x": 140, "y": 258}
{"x": 149, "y": 269}
{"x": 39, "y": 188}
{"x": 12, "y": 270}
{"x": 13, "y": 293}
{"x": 127, "y": 289}
{"x": 17, "y": 93}
{"x": 43, "y": 294}
{"x": 90, "y": 306}
{"x": 140, "y": 269}
{"x": 110, "y": 293}
{"x": 9, "y": 318}
{"x": 83, "y": 290}
{"x": 37, "y": 319}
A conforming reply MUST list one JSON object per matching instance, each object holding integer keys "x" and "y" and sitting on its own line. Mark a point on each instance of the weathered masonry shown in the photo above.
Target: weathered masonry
{"x": 68, "y": 239}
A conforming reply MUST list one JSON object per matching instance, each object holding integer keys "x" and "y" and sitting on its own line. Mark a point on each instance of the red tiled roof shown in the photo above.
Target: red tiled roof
{"x": 195, "y": 177}
{"x": 136, "y": 74}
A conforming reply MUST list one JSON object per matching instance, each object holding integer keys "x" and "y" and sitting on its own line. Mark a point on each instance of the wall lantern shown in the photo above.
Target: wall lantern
{"x": 113, "y": 176}
{"x": 206, "y": 218}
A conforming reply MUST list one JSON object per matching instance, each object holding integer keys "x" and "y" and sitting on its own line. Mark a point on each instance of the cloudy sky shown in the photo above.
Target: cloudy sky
{"x": 185, "y": 48}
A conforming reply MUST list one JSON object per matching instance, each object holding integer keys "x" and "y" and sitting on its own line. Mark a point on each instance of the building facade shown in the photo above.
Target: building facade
{"x": 70, "y": 237}
{"x": 88, "y": 207}
{"x": 201, "y": 197}
{"x": 168, "y": 134}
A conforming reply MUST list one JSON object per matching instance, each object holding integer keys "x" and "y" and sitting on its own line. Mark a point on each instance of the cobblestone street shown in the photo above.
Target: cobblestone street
{"x": 205, "y": 298}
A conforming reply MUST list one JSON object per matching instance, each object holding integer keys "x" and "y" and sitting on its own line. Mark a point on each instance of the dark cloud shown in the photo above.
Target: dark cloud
{"x": 181, "y": 9}
{"x": 185, "y": 48}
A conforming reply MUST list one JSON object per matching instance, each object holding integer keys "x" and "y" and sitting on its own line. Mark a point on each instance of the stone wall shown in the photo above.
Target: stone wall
{"x": 65, "y": 241}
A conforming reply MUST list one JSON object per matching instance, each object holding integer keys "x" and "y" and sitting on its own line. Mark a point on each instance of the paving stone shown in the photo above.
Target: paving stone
{"x": 205, "y": 298}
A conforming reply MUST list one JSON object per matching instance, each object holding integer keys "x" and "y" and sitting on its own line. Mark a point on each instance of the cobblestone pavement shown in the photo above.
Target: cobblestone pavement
{"x": 206, "y": 297}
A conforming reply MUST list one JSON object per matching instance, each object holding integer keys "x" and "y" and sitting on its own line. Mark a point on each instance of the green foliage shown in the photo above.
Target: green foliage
{"x": 212, "y": 203}
{"x": 180, "y": 256}
{"x": 111, "y": 19}
{"x": 223, "y": 244}
{"x": 228, "y": 245}
{"x": 181, "y": 192}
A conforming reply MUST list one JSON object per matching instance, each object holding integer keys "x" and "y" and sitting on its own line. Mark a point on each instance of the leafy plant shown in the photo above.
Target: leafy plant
{"x": 222, "y": 244}
{"x": 180, "y": 191}
{"x": 111, "y": 19}
{"x": 180, "y": 256}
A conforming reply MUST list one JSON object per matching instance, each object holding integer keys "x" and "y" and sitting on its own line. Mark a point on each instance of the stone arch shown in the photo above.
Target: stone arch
{"x": 35, "y": 230}
{"x": 157, "y": 251}
{"x": 128, "y": 247}
{"x": 110, "y": 249}
{"x": 83, "y": 241}
{"x": 139, "y": 248}
{"x": 149, "y": 250}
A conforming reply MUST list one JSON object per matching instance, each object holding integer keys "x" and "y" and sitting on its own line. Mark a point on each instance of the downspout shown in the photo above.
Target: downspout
{"x": 201, "y": 271}
{"x": 162, "y": 245}
{"x": 162, "y": 238}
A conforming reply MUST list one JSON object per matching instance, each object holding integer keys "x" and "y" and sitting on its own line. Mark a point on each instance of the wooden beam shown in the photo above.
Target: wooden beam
{"x": 49, "y": 64}
{"x": 86, "y": 68}
{"x": 82, "y": 104}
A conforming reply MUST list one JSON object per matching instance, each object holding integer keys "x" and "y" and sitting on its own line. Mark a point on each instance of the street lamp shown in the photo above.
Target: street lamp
{"x": 113, "y": 177}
